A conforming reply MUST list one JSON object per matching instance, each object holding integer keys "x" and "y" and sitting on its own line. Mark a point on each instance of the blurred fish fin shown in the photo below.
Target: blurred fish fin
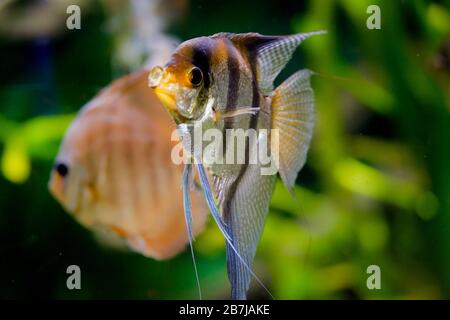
{"x": 238, "y": 284}
{"x": 293, "y": 116}
{"x": 244, "y": 214}
{"x": 186, "y": 182}
{"x": 272, "y": 53}
{"x": 108, "y": 238}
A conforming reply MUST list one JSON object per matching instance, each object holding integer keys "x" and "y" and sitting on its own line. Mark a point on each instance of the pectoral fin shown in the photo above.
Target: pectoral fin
{"x": 293, "y": 116}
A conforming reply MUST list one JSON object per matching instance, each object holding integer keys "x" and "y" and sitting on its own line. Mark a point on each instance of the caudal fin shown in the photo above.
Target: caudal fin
{"x": 293, "y": 116}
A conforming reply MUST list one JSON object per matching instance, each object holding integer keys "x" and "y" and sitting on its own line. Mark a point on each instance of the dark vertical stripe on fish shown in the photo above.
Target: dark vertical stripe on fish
{"x": 201, "y": 58}
{"x": 252, "y": 125}
{"x": 233, "y": 88}
{"x": 233, "y": 76}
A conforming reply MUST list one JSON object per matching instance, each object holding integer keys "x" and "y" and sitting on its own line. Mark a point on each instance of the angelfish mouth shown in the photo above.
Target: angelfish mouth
{"x": 157, "y": 81}
{"x": 167, "y": 98}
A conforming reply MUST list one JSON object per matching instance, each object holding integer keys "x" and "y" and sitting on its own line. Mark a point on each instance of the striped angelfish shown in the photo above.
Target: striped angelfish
{"x": 225, "y": 82}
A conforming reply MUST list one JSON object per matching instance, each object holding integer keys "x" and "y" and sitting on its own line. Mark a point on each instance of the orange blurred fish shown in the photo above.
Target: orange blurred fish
{"x": 114, "y": 171}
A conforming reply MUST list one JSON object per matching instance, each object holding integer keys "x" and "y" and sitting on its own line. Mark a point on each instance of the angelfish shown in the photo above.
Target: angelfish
{"x": 225, "y": 81}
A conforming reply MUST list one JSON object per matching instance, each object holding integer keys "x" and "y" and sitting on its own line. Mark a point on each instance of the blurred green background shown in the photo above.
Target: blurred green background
{"x": 375, "y": 190}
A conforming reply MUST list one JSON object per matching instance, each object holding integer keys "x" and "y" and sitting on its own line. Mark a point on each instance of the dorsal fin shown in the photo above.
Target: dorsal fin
{"x": 271, "y": 53}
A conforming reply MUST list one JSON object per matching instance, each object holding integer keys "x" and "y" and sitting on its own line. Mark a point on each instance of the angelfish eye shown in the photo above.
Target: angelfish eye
{"x": 62, "y": 169}
{"x": 195, "y": 76}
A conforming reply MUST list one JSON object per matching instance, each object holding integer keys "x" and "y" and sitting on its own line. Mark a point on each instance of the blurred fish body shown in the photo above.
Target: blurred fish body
{"x": 225, "y": 81}
{"x": 114, "y": 172}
